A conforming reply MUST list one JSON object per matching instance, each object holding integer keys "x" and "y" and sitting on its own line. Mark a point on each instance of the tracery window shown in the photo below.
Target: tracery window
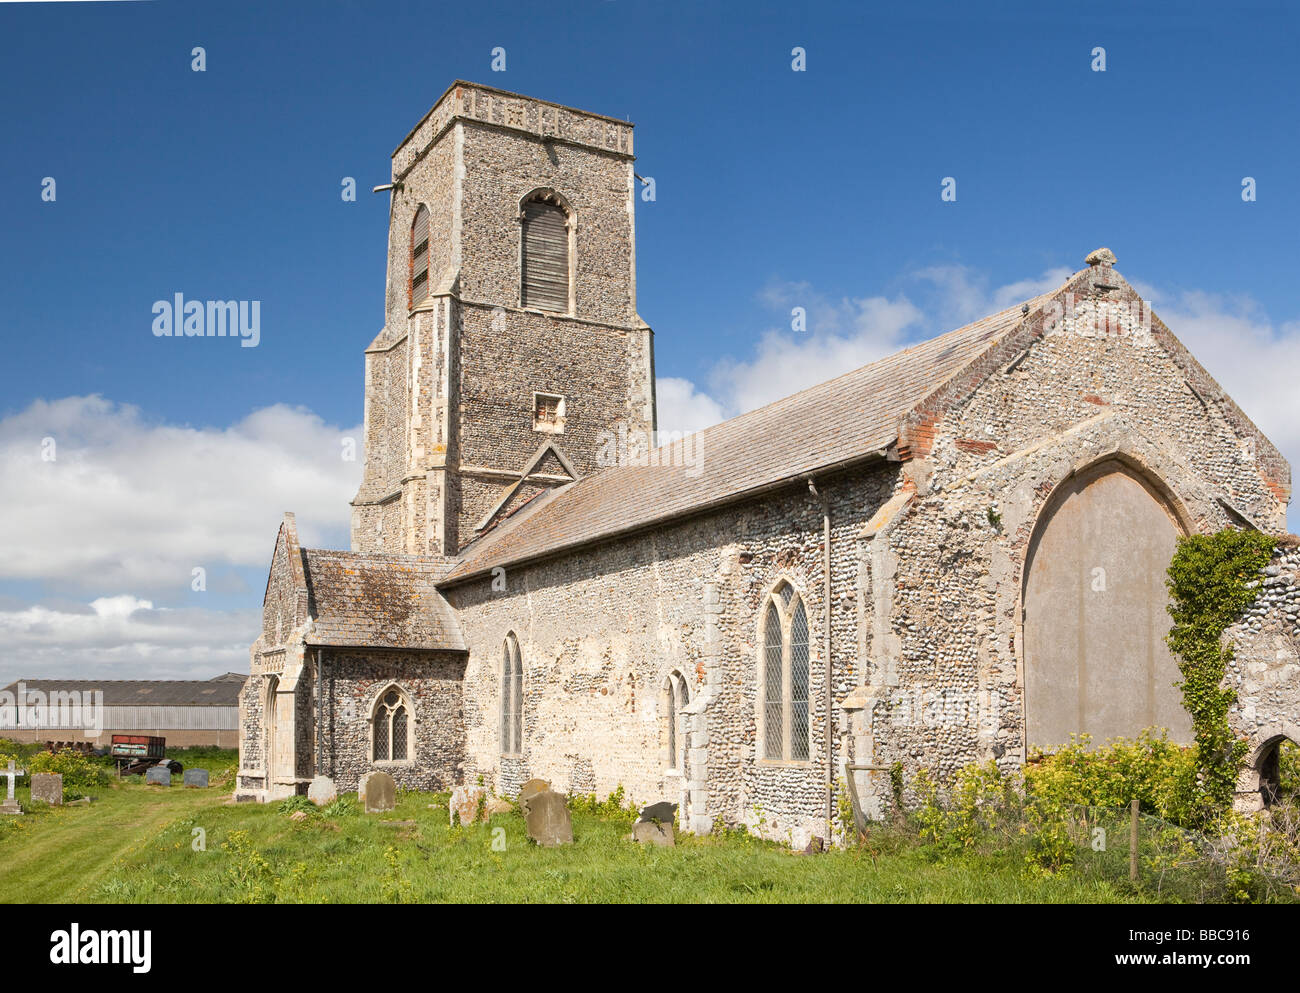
{"x": 784, "y": 676}
{"x": 391, "y": 727}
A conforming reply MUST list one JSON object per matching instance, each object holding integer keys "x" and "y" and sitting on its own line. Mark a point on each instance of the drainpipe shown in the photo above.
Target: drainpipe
{"x": 826, "y": 639}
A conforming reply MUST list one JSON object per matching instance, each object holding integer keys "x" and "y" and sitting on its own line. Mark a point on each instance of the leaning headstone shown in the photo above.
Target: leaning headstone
{"x": 322, "y": 791}
{"x": 546, "y": 817}
{"x": 654, "y": 833}
{"x": 532, "y": 788}
{"x": 663, "y": 812}
{"x": 463, "y": 806}
{"x": 47, "y": 787}
{"x": 497, "y": 805}
{"x": 159, "y": 775}
{"x": 197, "y": 778}
{"x": 10, "y": 806}
{"x": 377, "y": 792}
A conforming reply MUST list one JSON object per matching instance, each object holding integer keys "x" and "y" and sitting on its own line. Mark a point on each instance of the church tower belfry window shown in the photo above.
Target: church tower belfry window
{"x": 420, "y": 256}
{"x": 546, "y": 256}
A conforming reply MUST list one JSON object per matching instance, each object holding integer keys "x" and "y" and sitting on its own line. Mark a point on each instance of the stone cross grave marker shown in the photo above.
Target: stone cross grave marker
{"x": 10, "y": 806}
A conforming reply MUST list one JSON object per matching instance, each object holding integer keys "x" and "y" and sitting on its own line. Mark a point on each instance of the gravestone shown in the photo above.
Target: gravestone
{"x": 463, "y": 807}
{"x": 47, "y": 787}
{"x": 546, "y": 817}
{"x": 654, "y": 833}
{"x": 158, "y": 775}
{"x": 663, "y": 812}
{"x": 322, "y": 791}
{"x": 10, "y": 806}
{"x": 198, "y": 778}
{"x": 533, "y": 787}
{"x": 377, "y": 792}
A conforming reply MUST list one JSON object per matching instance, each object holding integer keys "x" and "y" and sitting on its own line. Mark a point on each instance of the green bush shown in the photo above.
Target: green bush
{"x": 1158, "y": 773}
{"x": 77, "y": 769}
{"x": 616, "y": 805}
{"x": 1288, "y": 771}
{"x": 955, "y": 823}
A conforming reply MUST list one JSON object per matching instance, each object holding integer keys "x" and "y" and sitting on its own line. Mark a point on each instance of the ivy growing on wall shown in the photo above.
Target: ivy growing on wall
{"x": 1213, "y": 579}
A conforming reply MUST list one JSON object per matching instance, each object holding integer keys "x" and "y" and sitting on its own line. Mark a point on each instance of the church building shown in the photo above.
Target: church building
{"x": 953, "y": 554}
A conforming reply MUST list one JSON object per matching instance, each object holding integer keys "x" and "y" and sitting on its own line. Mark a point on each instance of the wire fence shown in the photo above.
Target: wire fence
{"x": 1116, "y": 844}
{"x": 1254, "y": 860}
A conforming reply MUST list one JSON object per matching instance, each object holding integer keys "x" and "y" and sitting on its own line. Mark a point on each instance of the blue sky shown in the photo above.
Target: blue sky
{"x": 819, "y": 188}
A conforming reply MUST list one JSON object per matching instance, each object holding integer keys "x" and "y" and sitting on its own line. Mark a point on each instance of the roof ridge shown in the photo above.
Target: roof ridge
{"x": 857, "y": 370}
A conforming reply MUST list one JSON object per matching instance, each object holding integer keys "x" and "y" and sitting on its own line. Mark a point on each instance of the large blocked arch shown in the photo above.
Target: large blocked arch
{"x": 1094, "y": 610}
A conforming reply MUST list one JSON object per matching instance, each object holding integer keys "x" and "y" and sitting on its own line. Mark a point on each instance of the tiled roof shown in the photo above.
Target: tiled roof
{"x": 838, "y": 422}
{"x": 222, "y": 691}
{"x": 378, "y": 601}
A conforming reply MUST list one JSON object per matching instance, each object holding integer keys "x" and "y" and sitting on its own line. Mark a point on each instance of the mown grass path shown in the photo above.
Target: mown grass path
{"x": 60, "y": 854}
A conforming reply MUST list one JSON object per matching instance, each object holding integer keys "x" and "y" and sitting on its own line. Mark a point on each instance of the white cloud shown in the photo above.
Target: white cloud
{"x": 841, "y": 335}
{"x": 683, "y": 408}
{"x": 124, "y": 637}
{"x": 125, "y": 512}
{"x": 1251, "y": 356}
{"x": 129, "y": 506}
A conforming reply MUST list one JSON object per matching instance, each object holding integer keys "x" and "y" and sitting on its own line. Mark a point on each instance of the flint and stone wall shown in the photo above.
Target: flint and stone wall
{"x": 1265, "y": 671}
{"x": 600, "y": 632}
{"x": 431, "y": 682}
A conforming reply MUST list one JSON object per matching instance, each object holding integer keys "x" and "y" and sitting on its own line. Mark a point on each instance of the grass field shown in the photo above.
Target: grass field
{"x": 137, "y": 843}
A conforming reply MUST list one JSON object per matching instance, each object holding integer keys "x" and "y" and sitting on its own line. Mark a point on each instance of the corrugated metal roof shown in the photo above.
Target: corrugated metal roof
{"x": 222, "y": 691}
{"x": 838, "y": 422}
{"x": 378, "y": 601}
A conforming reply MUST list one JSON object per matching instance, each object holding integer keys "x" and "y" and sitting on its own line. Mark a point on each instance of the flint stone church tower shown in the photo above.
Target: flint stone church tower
{"x": 953, "y": 554}
{"x": 512, "y": 337}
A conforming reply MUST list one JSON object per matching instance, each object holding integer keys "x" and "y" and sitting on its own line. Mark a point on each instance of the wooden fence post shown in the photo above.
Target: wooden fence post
{"x": 1133, "y": 842}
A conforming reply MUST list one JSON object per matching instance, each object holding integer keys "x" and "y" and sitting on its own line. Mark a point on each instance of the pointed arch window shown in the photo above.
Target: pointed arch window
{"x": 676, "y": 697}
{"x": 391, "y": 727}
{"x": 784, "y": 675}
{"x": 512, "y": 698}
{"x": 420, "y": 256}
{"x": 545, "y": 255}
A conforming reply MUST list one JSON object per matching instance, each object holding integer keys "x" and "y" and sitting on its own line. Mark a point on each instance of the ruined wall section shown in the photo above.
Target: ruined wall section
{"x": 1265, "y": 671}
{"x": 1081, "y": 384}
